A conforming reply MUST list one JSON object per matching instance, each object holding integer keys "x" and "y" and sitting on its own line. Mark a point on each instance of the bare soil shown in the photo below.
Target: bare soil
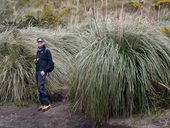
{"x": 59, "y": 116}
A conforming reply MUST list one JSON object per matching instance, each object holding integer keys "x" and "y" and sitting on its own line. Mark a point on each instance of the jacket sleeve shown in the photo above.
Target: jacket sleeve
{"x": 50, "y": 60}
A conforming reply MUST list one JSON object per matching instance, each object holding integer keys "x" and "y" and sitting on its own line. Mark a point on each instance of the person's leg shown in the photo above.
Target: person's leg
{"x": 36, "y": 77}
{"x": 43, "y": 97}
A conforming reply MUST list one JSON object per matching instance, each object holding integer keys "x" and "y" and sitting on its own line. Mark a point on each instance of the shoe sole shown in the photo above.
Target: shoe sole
{"x": 44, "y": 110}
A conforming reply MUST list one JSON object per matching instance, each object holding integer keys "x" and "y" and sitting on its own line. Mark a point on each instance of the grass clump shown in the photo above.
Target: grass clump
{"x": 17, "y": 51}
{"x": 16, "y": 83}
{"x": 63, "y": 46}
{"x": 117, "y": 73}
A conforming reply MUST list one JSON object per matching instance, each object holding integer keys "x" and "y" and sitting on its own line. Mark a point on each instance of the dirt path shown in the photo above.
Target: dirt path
{"x": 60, "y": 117}
{"x": 56, "y": 117}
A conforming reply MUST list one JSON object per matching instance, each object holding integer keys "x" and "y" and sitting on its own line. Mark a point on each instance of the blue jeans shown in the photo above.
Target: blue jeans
{"x": 40, "y": 81}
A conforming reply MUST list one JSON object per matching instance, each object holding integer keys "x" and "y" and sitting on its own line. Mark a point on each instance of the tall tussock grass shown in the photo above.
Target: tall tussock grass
{"x": 17, "y": 51}
{"x": 16, "y": 83}
{"x": 119, "y": 72}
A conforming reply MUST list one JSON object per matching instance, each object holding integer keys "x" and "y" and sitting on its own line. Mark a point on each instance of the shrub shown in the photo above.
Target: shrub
{"x": 158, "y": 4}
{"x": 166, "y": 31}
{"x": 133, "y": 6}
{"x": 50, "y": 17}
{"x": 118, "y": 72}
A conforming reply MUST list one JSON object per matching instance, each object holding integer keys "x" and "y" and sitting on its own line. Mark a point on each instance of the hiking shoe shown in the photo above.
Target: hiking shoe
{"x": 40, "y": 108}
{"x": 46, "y": 107}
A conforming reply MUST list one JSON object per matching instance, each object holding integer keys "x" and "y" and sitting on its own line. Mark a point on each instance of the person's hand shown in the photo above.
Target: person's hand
{"x": 42, "y": 73}
{"x": 35, "y": 61}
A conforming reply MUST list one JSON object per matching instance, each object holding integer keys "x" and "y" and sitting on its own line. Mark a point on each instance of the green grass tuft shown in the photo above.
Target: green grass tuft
{"x": 117, "y": 73}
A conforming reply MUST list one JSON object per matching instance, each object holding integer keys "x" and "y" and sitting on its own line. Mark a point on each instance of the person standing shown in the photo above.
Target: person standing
{"x": 43, "y": 63}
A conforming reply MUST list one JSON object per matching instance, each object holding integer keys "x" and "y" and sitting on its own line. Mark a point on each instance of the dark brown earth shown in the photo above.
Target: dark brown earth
{"x": 59, "y": 116}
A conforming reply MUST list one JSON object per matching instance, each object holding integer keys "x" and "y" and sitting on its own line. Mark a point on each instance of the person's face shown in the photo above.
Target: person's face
{"x": 40, "y": 44}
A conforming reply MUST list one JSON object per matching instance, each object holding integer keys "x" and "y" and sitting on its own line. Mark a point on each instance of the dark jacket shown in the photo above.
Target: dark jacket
{"x": 44, "y": 59}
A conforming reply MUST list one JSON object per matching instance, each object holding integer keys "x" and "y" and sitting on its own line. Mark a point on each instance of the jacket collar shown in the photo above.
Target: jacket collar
{"x": 41, "y": 49}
